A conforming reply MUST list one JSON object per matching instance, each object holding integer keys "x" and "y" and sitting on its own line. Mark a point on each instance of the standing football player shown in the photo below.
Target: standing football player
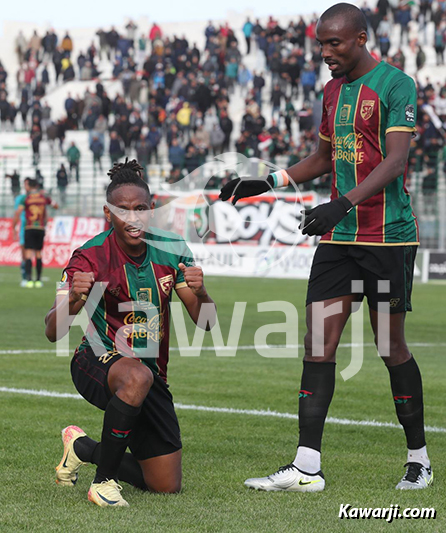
{"x": 33, "y": 204}
{"x": 369, "y": 233}
{"x": 121, "y": 364}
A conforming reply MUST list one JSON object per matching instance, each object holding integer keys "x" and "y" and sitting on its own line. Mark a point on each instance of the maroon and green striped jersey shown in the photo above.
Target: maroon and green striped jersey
{"x": 356, "y": 118}
{"x": 132, "y": 314}
{"x": 35, "y": 203}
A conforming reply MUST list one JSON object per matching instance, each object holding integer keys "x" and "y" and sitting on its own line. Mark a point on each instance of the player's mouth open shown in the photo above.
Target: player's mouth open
{"x": 134, "y": 231}
{"x": 332, "y": 66}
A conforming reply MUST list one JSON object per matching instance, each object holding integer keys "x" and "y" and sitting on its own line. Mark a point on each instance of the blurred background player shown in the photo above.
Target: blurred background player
{"x": 17, "y": 201}
{"x": 369, "y": 236}
{"x": 125, "y": 374}
{"x": 33, "y": 205}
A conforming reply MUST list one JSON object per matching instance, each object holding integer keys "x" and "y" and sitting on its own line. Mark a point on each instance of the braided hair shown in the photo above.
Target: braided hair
{"x": 127, "y": 173}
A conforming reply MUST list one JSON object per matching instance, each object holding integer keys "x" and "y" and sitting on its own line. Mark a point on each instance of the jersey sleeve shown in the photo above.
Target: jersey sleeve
{"x": 324, "y": 132}
{"x": 402, "y": 106}
{"x": 77, "y": 263}
{"x": 186, "y": 258}
{"x": 48, "y": 200}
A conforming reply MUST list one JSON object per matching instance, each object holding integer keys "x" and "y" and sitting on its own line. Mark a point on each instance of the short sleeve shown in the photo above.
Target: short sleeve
{"x": 402, "y": 106}
{"x": 186, "y": 258}
{"x": 19, "y": 200}
{"x": 324, "y": 132}
{"x": 77, "y": 263}
{"x": 48, "y": 200}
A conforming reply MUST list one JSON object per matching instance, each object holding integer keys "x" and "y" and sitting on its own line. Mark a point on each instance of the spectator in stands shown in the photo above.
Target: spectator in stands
{"x": 74, "y": 156}
{"x": 440, "y": 41}
{"x": 67, "y": 45}
{"x": 143, "y": 149}
{"x": 36, "y": 139}
{"x": 155, "y": 33}
{"x": 97, "y": 149}
{"x": 4, "y": 111}
{"x": 35, "y": 44}
{"x": 231, "y": 74}
{"x": 104, "y": 47}
{"x": 21, "y": 46}
{"x": 420, "y": 58}
{"x": 15, "y": 182}
{"x": 67, "y": 70}
{"x": 51, "y": 135}
{"x": 116, "y": 148}
{"x": 383, "y": 33}
{"x": 226, "y": 126}
{"x": 276, "y": 100}
{"x": 12, "y": 116}
{"x": 57, "y": 61}
{"x": 308, "y": 80}
{"x": 39, "y": 179}
{"x": 247, "y": 31}
{"x": 61, "y": 125}
{"x": 100, "y": 127}
{"x": 46, "y": 116}
{"x": 176, "y": 154}
{"x": 62, "y": 183}
{"x": 217, "y": 138}
{"x": 154, "y": 139}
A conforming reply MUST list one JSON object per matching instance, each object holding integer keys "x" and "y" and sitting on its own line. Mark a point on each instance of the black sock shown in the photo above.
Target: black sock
{"x": 317, "y": 387}
{"x": 38, "y": 268}
{"x": 23, "y": 269}
{"x": 119, "y": 419}
{"x": 28, "y": 268}
{"x": 407, "y": 393}
{"x": 89, "y": 451}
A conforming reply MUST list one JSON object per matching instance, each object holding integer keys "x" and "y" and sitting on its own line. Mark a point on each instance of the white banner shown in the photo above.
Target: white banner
{"x": 293, "y": 262}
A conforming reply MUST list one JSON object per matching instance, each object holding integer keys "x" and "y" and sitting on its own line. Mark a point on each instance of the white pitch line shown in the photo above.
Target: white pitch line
{"x": 244, "y": 347}
{"x": 230, "y": 410}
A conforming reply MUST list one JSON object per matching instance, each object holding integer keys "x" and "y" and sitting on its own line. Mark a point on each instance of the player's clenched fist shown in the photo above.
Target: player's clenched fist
{"x": 193, "y": 276}
{"x": 81, "y": 285}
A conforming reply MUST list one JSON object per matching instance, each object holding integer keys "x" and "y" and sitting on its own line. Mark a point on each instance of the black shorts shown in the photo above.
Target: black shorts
{"x": 157, "y": 431}
{"x": 34, "y": 239}
{"x": 335, "y": 266}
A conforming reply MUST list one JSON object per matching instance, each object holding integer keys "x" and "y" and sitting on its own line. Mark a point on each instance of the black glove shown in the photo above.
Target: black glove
{"x": 324, "y": 217}
{"x": 243, "y": 188}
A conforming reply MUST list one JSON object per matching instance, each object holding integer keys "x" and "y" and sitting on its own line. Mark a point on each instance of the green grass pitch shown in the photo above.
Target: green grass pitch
{"x": 361, "y": 464}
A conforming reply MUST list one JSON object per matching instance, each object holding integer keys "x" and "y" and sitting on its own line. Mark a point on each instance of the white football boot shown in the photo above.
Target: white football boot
{"x": 417, "y": 476}
{"x": 288, "y": 478}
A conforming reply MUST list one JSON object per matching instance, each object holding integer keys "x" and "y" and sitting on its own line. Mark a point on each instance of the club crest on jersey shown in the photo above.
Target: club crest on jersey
{"x": 367, "y": 108}
{"x": 115, "y": 291}
{"x": 166, "y": 283}
{"x": 144, "y": 297}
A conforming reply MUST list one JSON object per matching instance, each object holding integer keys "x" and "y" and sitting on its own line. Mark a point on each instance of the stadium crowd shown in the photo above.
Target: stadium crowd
{"x": 175, "y": 93}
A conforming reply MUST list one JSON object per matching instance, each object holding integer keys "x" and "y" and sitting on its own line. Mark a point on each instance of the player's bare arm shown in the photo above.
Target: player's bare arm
{"x": 195, "y": 295}
{"x": 313, "y": 166}
{"x": 15, "y": 220}
{"x": 310, "y": 168}
{"x": 397, "y": 148}
{"x": 68, "y": 306}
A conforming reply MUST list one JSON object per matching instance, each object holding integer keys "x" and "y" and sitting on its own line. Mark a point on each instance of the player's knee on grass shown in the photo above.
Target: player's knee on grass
{"x": 165, "y": 486}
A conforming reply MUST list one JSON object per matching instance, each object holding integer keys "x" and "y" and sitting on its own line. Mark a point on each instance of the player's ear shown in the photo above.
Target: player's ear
{"x": 362, "y": 38}
{"x": 152, "y": 207}
{"x": 107, "y": 213}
